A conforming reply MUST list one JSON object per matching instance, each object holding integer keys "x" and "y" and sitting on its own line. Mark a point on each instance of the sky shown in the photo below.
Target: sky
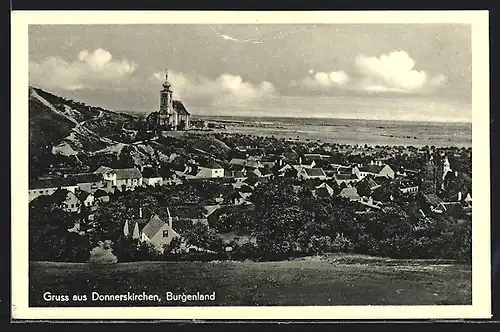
{"x": 381, "y": 71}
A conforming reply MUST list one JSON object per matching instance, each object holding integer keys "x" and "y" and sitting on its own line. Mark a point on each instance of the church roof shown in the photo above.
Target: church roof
{"x": 179, "y": 107}
{"x": 153, "y": 226}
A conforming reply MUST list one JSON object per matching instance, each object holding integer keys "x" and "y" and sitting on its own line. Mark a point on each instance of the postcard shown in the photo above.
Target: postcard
{"x": 250, "y": 165}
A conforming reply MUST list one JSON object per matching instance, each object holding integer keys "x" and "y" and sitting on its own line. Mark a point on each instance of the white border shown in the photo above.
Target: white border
{"x": 481, "y": 282}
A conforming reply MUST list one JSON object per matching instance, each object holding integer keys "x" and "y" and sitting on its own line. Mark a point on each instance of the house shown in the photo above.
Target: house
{"x": 316, "y": 156}
{"x": 449, "y": 208}
{"x": 237, "y": 162}
{"x": 349, "y": 192}
{"x": 370, "y": 203}
{"x": 324, "y": 190}
{"x": 158, "y": 232}
{"x": 431, "y": 202}
{"x": 210, "y": 169}
{"x": 312, "y": 173}
{"x": 269, "y": 162}
{"x": 372, "y": 184}
{"x": 151, "y": 177}
{"x": 376, "y": 170}
{"x": 283, "y": 169}
{"x": 252, "y": 182}
{"x": 468, "y": 200}
{"x": 238, "y": 176}
{"x": 101, "y": 196}
{"x": 49, "y": 186}
{"x": 346, "y": 178}
{"x": 408, "y": 187}
{"x": 249, "y": 163}
{"x": 68, "y": 201}
{"x": 304, "y": 164}
{"x": 122, "y": 178}
{"x": 90, "y": 182}
{"x": 86, "y": 199}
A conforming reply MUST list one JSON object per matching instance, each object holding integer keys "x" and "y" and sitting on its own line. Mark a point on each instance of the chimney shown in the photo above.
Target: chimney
{"x": 456, "y": 173}
{"x": 459, "y": 196}
{"x": 140, "y": 212}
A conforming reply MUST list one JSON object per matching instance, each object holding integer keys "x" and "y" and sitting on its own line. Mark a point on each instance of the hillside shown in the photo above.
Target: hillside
{"x": 68, "y": 127}
{"x": 70, "y": 135}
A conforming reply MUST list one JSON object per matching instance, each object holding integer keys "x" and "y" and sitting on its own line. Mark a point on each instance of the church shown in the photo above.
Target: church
{"x": 173, "y": 115}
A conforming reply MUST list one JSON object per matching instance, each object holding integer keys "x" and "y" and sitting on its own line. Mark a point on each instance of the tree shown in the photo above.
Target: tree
{"x": 48, "y": 229}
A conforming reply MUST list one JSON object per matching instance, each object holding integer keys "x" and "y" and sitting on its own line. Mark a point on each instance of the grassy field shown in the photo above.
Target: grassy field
{"x": 310, "y": 281}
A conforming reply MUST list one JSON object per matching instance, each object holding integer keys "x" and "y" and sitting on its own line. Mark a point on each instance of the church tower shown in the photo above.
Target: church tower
{"x": 168, "y": 116}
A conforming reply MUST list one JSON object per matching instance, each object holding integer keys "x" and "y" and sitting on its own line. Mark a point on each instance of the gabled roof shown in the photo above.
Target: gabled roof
{"x": 86, "y": 177}
{"x": 100, "y": 193}
{"x": 212, "y": 165}
{"x": 372, "y": 184}
{"x": 127, "y": 173}
{"x": 237, "y": 161}
{"x": 375, "y": 169}
{"x": 246, "y": 189}
{"x": 82, "y": 195}
{"x": 149, "y": 172}
{"x": 179, "y": 107}
{"x": 153, "y": 226}
{"x": 314, "y": 171}
{"x": 349, "y": 192}
{"x": 103, "y": 169}
{"x": 344, "y": 169}
{"x": 251, "y": 181}
{"x": 253, "y": 163}
{"x": 323, "y": 191}
{"x": 349, "y": 176}
{"x": 237, "y": 174}
{"x": 52, "y": 183}
{"x": 432, "y": 199}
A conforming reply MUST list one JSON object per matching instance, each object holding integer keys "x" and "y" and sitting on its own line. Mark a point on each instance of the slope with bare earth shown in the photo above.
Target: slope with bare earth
{"x": 301, "y": 282}
{"x": 67, "y": 127}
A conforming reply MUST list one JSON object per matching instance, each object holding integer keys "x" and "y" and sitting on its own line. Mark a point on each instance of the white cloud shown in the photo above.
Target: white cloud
{"x": 322, "y": 80}
{"x": 90, "y": 70}
{"x": 394, "y": 72}
{"x": 227, "y": 89}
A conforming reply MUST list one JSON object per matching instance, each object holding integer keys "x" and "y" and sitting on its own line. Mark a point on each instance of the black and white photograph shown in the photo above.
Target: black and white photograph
{"x": 267, "y": 163}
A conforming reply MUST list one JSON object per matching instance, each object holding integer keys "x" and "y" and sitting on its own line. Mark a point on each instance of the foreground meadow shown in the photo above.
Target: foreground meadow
{"x": 310, "y": 281}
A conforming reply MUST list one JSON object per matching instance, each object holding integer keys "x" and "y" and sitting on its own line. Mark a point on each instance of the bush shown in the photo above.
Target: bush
{"x": 341, "y": 244}
{"x": 103, "y": 254}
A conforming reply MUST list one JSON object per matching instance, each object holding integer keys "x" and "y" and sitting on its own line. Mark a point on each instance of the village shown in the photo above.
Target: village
{"x": 214, "y": 200}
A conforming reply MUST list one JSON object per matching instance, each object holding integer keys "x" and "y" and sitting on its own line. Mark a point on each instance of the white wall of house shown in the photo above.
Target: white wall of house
{"x": 153, "y": 181}
{"x": 129, "y": 183}
{"x": 210, "y": 173}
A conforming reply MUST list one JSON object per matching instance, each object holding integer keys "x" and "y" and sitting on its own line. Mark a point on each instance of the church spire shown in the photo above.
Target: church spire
{"x": 167, "y": 83}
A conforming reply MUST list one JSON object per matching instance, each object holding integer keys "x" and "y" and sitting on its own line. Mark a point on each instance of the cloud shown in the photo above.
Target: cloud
{"x": 89, "y": 71}
{"x": 389, "y": 73}
{"x": 227, "y": 89}
{"x": 394, "y": 72}
{"x": 323, "y": 81}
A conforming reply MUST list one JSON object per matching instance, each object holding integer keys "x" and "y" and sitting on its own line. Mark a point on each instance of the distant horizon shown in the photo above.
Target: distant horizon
{"x": 207, "y": 116}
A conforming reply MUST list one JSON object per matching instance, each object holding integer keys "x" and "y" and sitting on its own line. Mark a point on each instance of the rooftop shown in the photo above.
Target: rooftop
{"x": 315, "y": 172}
{"x": 179, "y": 107}
{"x": 127, "y": 173}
